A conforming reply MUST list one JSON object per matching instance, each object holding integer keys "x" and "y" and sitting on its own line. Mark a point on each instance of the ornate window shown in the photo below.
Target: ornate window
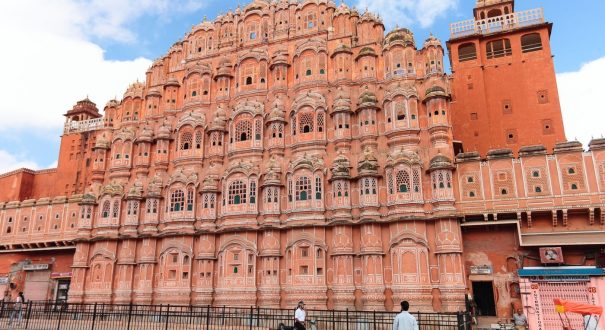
{"x": 403, "y": 181}
{"x": 303, "y": 188}
{"x": 306, "y": 122}
{"x": 320, "y": 122}
{"x": 416, "y": 180}
{"x": 198, "y": 139}
{"x": 152, "y": 206}
{"x": 190, "y": 199}
{"x": 258, "y": 129}
{"x": 132, "y": 208}
{"x": 531, "y": 42}
{"x": 252, "y": 192}
{"x": 318, "y": 188}
{"x": 115, "y": 212}
{"x": 237, "y": 192}
{"x": 177, "y": 200}
{"x": 186, "y": 141}
{"x": 243, "y": 130}
{"x": 467, "y": 52}
{"x": 105, "y": 210}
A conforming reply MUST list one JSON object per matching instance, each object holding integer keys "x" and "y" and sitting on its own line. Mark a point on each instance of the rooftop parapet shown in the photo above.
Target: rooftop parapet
{"x": 569, "y": 146}
{"x": 495, "y": 24}
{"x": 499, "y": 153}
{"x": 596, "y": 144}
{"x": 532, "y": 150}
{"x": 468, "y": 157}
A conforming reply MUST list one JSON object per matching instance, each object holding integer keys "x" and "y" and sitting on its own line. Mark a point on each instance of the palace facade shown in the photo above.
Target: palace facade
{"x": 293, "y": 151}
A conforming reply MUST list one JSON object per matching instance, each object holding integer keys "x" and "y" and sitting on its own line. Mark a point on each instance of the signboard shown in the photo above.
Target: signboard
{"x": 3, "y": 280}
{"x": 551, "y": 255}
{"x": 60, "y": 275}
{"x": 35, "y": 267}
{"x": 481, "y": 270}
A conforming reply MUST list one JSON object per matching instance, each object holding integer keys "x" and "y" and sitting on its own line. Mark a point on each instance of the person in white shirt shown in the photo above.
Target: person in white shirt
{"x": 520, "y": 320}
{"x": 299, "y": 316}
{"x": 405, "y": 320}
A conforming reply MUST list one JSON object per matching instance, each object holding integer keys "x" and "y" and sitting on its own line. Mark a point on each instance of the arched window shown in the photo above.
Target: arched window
{"x": 177, "y": 200}
{"x": 190, "y": 194}
{"x": 467, "y": 52}
{"x": 403, "y": 181}
{"x": 243, "y": 130}
{"x": 318, "y": 188}
{"x": 252, "y": 192}
{"x": 105, "y": 209}
{"x": 237, "y": 192}
{"x": 198, "y": 139}
{"x": 186, "y": 141}
{"x": 248, "y": 80}
{"x": 306, "y": 122}
{"x": 116, "y": 209}
{"x": 494, "y": 13}
{"x": 320, "y": 122}
{"x": 303, "y": 188}
{"x": 441, "y": 184}
{"x": 531, "y": 42}
{"x": 498, "y": 48}
{"x": 571, "y": 170}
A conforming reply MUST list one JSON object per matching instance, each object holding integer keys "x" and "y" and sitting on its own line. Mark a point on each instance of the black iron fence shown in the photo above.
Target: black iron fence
{"x": 98, "y": 316}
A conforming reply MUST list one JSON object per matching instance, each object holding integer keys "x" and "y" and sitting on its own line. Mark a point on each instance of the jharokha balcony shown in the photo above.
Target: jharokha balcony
{"x": 495, "y": 24}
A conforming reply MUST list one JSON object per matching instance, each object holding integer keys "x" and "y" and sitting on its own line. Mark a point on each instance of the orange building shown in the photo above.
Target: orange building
{"x": 290, "y": 151}
{"x": 504, "y": 89}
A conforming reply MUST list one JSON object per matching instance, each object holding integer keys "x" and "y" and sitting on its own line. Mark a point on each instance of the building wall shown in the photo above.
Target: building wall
{"x": 505, "y": 98}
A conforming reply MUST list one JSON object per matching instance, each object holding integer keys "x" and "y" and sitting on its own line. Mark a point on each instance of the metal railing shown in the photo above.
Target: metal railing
{"x": 497, "y": 24}
{"x": 83, "y": 125}
{"x": 98, "y": 316}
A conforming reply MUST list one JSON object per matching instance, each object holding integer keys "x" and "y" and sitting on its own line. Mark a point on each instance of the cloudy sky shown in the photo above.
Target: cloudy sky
{"x": 55, "y": 52}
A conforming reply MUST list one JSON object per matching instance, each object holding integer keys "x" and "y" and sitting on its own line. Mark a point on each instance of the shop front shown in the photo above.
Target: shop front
{"x": 541, "y": 285}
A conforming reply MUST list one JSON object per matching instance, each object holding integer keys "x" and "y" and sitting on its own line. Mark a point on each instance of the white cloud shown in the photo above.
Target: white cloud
{"x": 50, "y": 61}
{"x": 580, "y": 96}
{"x": 407, "y": 12}
{"x": 10, "y": 162}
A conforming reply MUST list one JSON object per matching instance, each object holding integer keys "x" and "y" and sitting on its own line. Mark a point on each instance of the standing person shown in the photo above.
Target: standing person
{"x": 17, "y": 309}
{"x": 405, "y": 320}
{"x": 470, "y": 305}
{"x": 299, "y": 316}
{"x": 520, "y": 320}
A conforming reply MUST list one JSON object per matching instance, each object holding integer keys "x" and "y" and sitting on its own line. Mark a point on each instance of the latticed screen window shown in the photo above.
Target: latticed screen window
{"x": 303, "y": 188}
{"x": 403, "y": 181}
{"x": 290, "y": 190}
{"x": 198, "y": 140}
{"x": 258, "y": 129}
{"x": 306, "y": 122}
{"x": 293, "y": 122}
{"x": 269, "y": 195}
{"x": 186, "y": 140}
{"x": 368, "y": 186}
{"x": 190, "y": 199}
{"x": 152, "y": 206}
{"x": 194, "y": 84}
{"x": 237, "y": 192}
{"x": 105, "y": 209}
{"x": 252, "y": 192}
{"x": 390, "y": 183}
{"x": 416, "y": 178}
{"x": 448, "y": 180}
{"x": 320, "y": 122}
{"x": 177, "y": 200}
{"x": 116, "y": 209}
{"x": 133, "y": 208}
{"x": 243, "y": 130}
{"x": 317, "y": 188}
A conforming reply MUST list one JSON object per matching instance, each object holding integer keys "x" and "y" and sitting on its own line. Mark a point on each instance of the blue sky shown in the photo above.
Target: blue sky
{"x": 77, "y": 48}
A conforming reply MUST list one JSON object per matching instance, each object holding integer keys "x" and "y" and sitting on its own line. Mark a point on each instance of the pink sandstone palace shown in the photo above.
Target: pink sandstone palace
{"x": 291, "y": 150}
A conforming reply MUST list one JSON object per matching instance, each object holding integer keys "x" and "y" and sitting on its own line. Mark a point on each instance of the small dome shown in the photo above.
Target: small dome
{"x": 440, "y": 162}
{"x": 431, "y": 41}
{"x": 401, "y": 35}
{"x": 172, "y": 81}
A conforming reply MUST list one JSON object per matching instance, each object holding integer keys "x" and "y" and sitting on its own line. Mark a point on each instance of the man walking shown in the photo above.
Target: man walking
{"x": 299, "y": 316}
{"x": 405, "y": 320}
{"x": 17, "y": 309}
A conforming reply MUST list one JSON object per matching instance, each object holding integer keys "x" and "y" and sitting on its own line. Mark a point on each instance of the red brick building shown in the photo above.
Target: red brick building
{"x": 291, "y": 151}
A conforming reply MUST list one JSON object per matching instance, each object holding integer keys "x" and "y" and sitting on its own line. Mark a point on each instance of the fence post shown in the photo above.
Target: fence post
{"x": 374, "y": 319}
{"x": 418, "y": 318}
{"x": 460, "y": 321}
{"x": 257, "y": 316}
{"x": 94, "y": 317}
{"x": 251, "y": 316}
{"x": 29, "y": 312}
{"x": 60, "y": 317}
{"x": 208, "y": 318}
{"x": 347, "y": 321}
{"x": 129, "y": 315}
{"x": 167, "y": 316}
{"x": 333, "y": 320}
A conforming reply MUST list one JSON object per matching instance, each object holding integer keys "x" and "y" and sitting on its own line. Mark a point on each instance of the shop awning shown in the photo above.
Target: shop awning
{"x": 561, "y": 271}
